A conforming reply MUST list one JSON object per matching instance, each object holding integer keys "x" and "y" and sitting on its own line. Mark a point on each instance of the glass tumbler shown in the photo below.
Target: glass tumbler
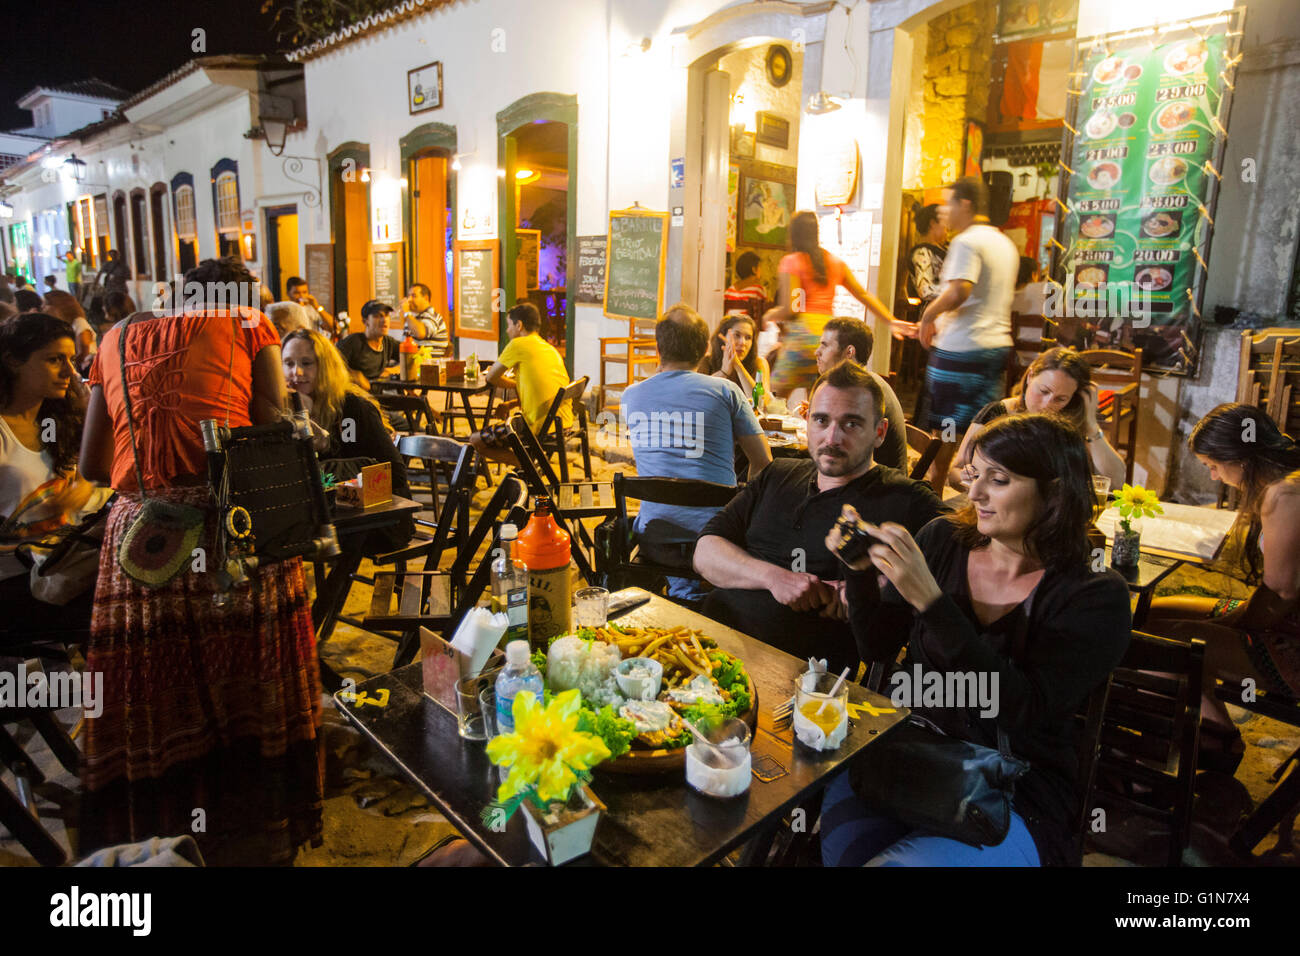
{"x": 590, "y": 607}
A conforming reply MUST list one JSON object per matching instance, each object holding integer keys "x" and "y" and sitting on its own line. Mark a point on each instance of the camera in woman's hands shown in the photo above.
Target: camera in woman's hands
{"x": 849, "y": 538}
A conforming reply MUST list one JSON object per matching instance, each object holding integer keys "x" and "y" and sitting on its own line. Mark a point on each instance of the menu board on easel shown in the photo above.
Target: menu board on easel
{"x": 635, "y": 254}
{"x": 477, "y": 289}
{"x": 387, "y": 272}
{"x": 320, "y": 273}
{"x": 1150, "y": 126}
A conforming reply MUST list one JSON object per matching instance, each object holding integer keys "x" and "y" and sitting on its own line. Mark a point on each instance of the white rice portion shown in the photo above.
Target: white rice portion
{"x": 588, "y": 666}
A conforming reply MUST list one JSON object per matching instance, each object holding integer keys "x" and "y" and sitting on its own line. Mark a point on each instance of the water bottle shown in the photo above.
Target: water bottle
{"x": 519, "y": 674}
{"x": 510, "y": 587}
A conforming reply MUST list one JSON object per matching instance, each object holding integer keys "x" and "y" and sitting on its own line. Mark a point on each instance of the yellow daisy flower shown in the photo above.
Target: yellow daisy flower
{"x": 545, "y": 750}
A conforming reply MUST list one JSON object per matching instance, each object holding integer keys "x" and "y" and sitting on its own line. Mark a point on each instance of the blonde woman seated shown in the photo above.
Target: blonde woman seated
{"x": 1058, "y": 382}
{"x": 348, "y": 422}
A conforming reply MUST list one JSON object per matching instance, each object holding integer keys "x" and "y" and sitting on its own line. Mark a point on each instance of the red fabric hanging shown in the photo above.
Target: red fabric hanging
{"x": 1020, "y": 89}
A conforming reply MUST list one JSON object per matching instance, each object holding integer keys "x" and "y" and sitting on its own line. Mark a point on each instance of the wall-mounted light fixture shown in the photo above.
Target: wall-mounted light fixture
{"x": 77, "y": 167}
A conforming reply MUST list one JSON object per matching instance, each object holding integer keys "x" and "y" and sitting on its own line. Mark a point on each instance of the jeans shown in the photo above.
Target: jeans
{"x": 852, "y": 835}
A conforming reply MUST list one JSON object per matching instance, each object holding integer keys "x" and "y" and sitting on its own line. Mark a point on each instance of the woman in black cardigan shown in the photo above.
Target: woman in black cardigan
{"x": 1006, "y": 590}
{"x": 348, "y": 420}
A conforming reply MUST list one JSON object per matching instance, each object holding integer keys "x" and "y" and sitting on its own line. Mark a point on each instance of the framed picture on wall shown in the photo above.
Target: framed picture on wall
{"x": 424, "y": 87}
{"x": 766, "y": 207}
{"x": 742, "y": 143}
{"x": 772, "y": 130}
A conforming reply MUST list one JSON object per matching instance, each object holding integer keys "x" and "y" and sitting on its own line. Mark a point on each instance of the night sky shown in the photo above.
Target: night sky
{"x": 54, "y": 43}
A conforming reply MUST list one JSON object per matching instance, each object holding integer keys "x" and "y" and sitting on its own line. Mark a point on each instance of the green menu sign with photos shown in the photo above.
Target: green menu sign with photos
{"x": 1147, "y": 131}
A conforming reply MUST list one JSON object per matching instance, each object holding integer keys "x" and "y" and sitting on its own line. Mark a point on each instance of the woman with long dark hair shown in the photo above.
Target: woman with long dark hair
{"x": 1057, "y": 382}
{"x": 1258, "y": 637}
{"x": 1005, "y": 588}
{"x": 42, "y": 407}
{"x": 809, "y": 276}
{"x": 62, "y": 305}
{"x": 733, "y": 354}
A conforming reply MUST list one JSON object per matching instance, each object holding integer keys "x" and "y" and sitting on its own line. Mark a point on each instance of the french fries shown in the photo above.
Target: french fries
{"x": 680, "y": 650}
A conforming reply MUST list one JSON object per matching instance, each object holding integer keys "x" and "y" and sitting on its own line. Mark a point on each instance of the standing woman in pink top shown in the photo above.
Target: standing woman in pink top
{"x": 809, "y": 276}
{"x": 210, "y": 705}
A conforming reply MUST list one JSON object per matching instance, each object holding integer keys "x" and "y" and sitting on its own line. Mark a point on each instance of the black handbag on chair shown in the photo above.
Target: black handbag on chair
{"x": 928, "y": 780}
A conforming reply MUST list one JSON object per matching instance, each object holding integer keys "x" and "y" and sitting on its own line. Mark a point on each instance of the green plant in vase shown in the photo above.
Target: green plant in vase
{"x": 1133, "y": 503}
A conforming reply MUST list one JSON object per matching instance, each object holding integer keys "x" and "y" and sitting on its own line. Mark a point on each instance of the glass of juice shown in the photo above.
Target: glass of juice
{"x": 821, "y": 720}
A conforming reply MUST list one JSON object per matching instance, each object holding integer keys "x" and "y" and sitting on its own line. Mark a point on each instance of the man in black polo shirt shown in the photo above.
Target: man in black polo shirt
{"x": 765, "y": 552}
{"x": 372, "y": 353}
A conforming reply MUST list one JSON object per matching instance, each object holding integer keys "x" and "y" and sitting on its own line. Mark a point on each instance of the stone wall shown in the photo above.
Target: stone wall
{"x": 958, "y": 52}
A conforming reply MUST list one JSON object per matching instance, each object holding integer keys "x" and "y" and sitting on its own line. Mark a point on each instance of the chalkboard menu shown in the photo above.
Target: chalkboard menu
{"x": 320, "y": 274}
{"x": 387, "y": 273}
{"x": 634, "y": 269}
{"x": 591, "y": 269}
{"x": 1149, "y": 126}
{"x": 478, "y": 296}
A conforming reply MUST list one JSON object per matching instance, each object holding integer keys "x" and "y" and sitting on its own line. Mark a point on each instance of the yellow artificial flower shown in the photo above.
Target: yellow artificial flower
{"x": 546, "y": 749}
{"x": 1136, "y": 501}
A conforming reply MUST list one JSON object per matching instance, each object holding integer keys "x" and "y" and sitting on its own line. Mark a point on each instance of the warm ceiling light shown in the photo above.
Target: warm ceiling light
{"x": 822, "y": 102}
{"x": 523, "y": 173}
{"x": 525, "y": 176}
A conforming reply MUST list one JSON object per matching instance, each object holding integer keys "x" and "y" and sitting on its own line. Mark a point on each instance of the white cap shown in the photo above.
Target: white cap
{"x": 517, "y": 653}
{"x": 509, "y": 531}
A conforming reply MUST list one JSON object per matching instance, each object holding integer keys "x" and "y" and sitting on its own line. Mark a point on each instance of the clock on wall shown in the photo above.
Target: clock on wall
{"x": 780, "y": 65}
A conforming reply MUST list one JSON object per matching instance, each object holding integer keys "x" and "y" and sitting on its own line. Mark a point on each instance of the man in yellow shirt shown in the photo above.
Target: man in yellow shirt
{"x": 538, "y": 374}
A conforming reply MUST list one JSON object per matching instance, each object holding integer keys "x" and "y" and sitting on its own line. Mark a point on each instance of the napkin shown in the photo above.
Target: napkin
{"x": 810, "y": 735}
{"x": 478, "y": 635}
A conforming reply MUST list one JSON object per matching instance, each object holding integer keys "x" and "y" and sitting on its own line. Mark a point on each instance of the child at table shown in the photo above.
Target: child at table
{"x": 1258, "y": 637}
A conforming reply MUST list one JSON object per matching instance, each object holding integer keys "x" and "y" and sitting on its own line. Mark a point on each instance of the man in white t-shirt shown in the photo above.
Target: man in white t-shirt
{"x": 967, "y": 327}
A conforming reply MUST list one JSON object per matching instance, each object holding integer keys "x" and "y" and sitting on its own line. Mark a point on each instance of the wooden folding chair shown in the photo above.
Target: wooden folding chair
{"x": 926, "y": 446}
{"x": 1121, "y": 372}
{"x": 405, "y": 601}
{"x": 535, "y": 468}
{"x": 552, "y": 435}
{"x": 627, "y": 567}
{"x": 18, "y": 811}
{"x": 1151, "y": 733}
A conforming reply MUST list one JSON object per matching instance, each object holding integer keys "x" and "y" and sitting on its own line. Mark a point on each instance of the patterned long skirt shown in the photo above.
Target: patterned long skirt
{"x": 796, "y": 366}
{"x": 211, "y": 714}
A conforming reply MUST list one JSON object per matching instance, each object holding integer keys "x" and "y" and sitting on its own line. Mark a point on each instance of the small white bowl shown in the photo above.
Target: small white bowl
{"x": 640, "y": 688}
{"x": 730, "y": 781}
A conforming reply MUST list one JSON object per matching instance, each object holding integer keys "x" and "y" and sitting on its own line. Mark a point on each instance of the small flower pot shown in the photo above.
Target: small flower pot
{"x": 1125, "y": 549}
{"x": 564, "y": 831}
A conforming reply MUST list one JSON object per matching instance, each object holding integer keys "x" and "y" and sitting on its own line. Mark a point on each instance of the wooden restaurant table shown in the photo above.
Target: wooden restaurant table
{"x": 332, "y": 591}
{"x": 451, "y": 386}
{"x": 1191, "y": 533}
{"x": 653, "y": 820}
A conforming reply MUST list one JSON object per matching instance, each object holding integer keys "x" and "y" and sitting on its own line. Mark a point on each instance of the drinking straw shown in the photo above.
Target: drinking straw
{"x": 834, "y": 690}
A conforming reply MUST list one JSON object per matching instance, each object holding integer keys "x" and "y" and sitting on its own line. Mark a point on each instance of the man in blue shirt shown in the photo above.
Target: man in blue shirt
{"x": 683, "y": 424}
